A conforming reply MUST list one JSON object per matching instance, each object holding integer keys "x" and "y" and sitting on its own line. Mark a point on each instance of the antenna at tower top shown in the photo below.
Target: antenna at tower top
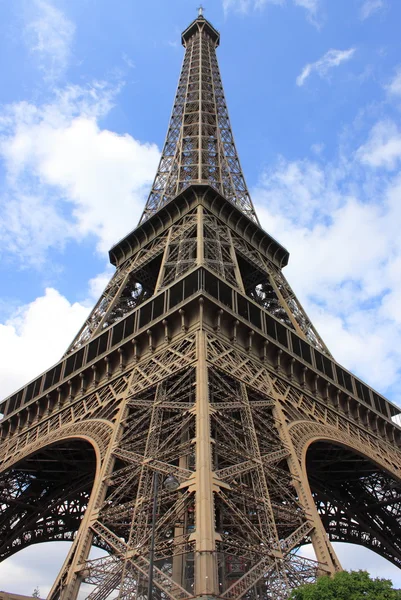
{"x": 200, "y": 11}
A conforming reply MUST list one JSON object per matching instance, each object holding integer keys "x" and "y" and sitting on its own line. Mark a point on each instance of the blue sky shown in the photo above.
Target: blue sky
{"x": 314, "y": 93}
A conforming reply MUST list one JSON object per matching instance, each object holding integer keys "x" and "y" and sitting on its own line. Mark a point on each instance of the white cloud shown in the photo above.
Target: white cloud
{"x": 30, "y": 224}
{"x": 35, "y": 336}
{"x": 369, "y": 7}
{"x": 67, "y": 177}
{"x": 97, "y": 284}
{"x": 383, "y": 148}
{"x": 394, "y": 87}
{"x": 311, "y": 7}
{"x": 38, "y": 566}
{"x": 128, "y": 61}
{"x": 332, "y": 58}
{"x": 341, "y": 225}
{"x": 49, "y": 35}
{"x": 237, "y": 5}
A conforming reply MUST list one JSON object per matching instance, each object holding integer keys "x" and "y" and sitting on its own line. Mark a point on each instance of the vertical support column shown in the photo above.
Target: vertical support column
{"x": 162, "y": 269}
{"x": 178, "y": 559}
{"x": 205, "y": 535}
{"x": 67, "y": 584}
{"x": 324, "y": 551}
{"x": 200, "y": 250}
{"x": 235, "y": 263}
{"x": 179, "y": 529}
{"x": 284, "y": 304}
{"x": 200, "y": 112}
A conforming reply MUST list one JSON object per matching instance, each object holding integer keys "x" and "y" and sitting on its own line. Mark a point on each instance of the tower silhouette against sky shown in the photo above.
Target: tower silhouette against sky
{"x": 199, "y": 365}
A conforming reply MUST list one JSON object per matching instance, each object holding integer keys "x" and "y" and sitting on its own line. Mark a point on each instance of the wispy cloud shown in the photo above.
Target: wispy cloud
{"x": 128, "y": 61}
{"x": 332, "y": 58}
{"x": 369, "y": 7}
{"x": 49, "y": 35}
{"x": 383, "y": 148}
{"x": 244, "y": 6}
{"x": 311, "y": 7}
{"x": 394, "y": 87}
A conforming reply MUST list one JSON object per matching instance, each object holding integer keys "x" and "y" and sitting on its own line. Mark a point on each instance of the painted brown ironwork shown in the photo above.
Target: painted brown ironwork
{"x": 199, "y": 146}
{"x": 198, "y": 362}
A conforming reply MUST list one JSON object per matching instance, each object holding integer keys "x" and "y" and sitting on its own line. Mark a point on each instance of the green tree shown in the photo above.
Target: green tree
{"x": 354, "y": 585}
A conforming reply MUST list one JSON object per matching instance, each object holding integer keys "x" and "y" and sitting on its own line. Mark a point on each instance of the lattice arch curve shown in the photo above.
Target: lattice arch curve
{"x": 356, "y": 486}
{"x": 305, "y": 433}
{"x": 96, "y": 432}
{"x": 47, "y": 503}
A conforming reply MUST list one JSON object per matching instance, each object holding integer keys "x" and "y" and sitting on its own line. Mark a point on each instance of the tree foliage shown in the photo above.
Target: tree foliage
{"x": 354, "y": 585}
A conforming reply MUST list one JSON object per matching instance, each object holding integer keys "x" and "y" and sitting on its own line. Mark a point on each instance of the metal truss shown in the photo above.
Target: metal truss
{"x": 181, "y": 250}
{"x": 357, "y": 501}
{"x": 261, "y": 508}
{"x": 219, "y": 254}
{"x": 45, "y": 496}
{"x": 258, "y": 519}
{"x": 199, "y": 238}
{"x": 265, "y": 283}
{"x": 199, "y": 146}
{"x": 132, "y": 283}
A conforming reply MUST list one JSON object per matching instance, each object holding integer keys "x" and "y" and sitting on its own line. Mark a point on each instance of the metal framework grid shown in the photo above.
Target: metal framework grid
{"x": 199, "y": 146}
{"x": 199, "y": 362}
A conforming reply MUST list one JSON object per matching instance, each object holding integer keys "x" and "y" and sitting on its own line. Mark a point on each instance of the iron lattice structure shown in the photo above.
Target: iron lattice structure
{"x": 199, "y": 362}
{"x": 199, "y": 146}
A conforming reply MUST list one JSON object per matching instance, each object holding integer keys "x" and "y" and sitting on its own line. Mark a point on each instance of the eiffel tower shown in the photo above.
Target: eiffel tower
{"x": 199, "y": 367}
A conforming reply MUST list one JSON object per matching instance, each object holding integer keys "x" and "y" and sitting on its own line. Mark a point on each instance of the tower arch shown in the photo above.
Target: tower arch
{"x": 46, "y": 487}
{"x": 356, "y": 490}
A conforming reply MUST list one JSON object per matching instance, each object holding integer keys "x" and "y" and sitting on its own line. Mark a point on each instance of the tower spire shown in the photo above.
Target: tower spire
{"x": 199, "y": 146}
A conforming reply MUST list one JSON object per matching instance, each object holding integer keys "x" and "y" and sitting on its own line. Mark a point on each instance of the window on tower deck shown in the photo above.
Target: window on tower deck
{"x": 258, "y": 286}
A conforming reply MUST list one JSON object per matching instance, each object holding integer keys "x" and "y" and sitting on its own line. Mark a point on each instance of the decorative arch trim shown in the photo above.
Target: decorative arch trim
{"x": 95, "y": 431}
{"x": 305, "y": 433}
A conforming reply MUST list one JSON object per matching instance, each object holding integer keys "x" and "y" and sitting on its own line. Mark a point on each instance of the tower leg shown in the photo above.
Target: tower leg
{"x": 67, "y": 584}
{"x": 205, "y": 534}
{"x": 178, "y": 560}
{"x": 324, "y": 551}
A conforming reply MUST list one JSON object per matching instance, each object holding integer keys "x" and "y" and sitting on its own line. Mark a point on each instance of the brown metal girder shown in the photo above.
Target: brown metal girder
{"x": 47, "y": 506}
{"x": 121, "y": 548}
{"x": 167, "y": 215}
{"x": 364, "y": 525}
{"x": 264, "y": 242}
{"x": 193, "y": 28}
{"x": 351, "y": 497}
{"x": 286, "y": 351}
{"x": 112, "y": 350}
{"x": 247, "y": 325}
{"x": 210, "y": 198}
